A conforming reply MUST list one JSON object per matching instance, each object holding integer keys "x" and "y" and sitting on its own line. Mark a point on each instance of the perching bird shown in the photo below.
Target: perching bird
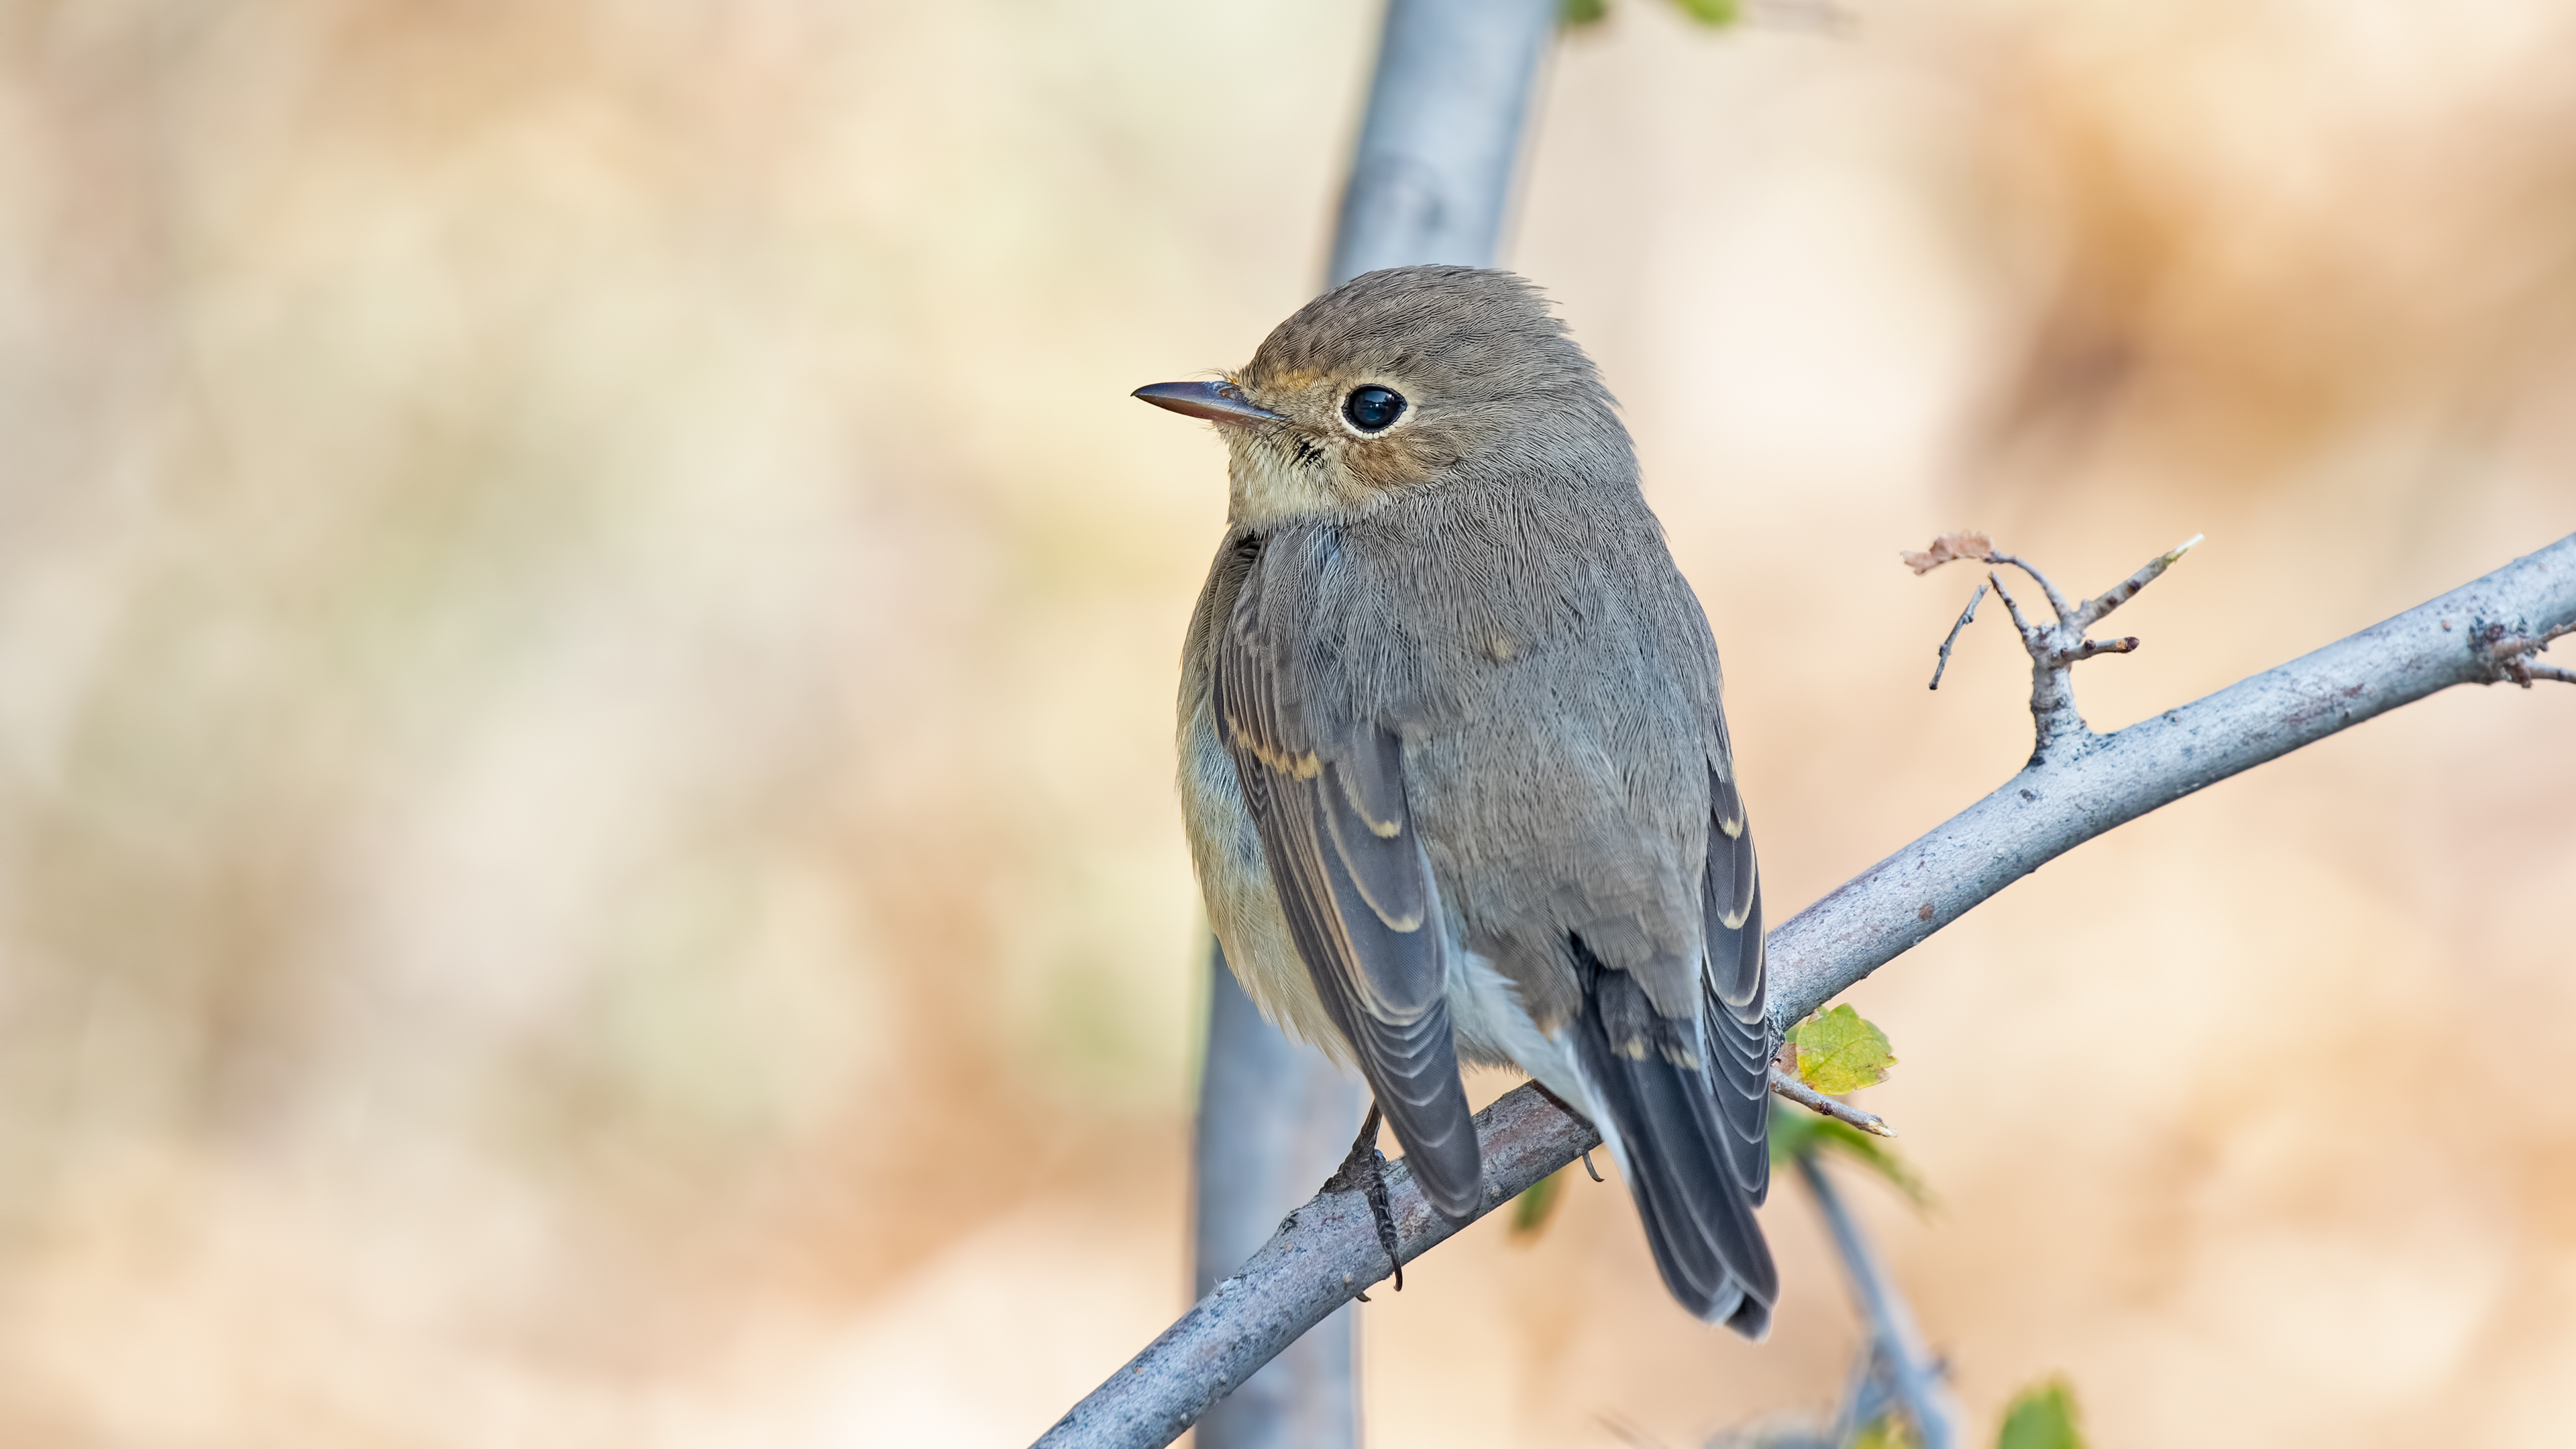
{"x": 1456, "y": 777}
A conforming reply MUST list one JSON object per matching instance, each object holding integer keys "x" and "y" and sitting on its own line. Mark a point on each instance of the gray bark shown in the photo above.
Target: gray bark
{"x": 1327, "y": 1250}
{"x": 1430, "y": 180}
{"x": 1433, "y": 172}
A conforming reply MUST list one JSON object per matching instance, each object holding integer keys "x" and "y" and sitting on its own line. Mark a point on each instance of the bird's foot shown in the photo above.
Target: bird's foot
{"x": 1364, "y": 1172}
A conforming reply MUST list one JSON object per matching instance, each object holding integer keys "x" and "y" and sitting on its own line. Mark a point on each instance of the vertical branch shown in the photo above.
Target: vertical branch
{"x": 1274, "y": 1116}
{"x": 1430, "y": 179}
{"x": 1436, "y": 157}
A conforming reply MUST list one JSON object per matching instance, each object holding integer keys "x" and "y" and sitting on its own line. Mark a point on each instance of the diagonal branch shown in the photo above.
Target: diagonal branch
{"x": 1327, "y": 1251}
{"x": 2093, "y": 610}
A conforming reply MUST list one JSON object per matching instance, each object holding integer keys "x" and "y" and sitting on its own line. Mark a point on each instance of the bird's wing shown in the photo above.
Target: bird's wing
{"x": 1327, "y": 793}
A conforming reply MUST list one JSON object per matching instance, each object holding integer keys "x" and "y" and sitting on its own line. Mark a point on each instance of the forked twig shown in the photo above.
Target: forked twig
{"x": 2512, "y": 655}
{"x": 2056, "y": 647}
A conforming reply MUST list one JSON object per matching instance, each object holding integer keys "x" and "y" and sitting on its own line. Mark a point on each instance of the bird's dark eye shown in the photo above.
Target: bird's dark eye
{"x": 1373, "y": 409}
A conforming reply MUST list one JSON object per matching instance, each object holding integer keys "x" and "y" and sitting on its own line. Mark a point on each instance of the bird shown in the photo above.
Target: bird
{"x": 1453, "y": 762}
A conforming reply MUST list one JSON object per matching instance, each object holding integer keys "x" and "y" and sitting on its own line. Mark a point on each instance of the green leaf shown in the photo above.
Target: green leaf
{"x": 1796, "y": 1132}
{"x": 1710, "y": 12}
{"x": 1841, "y": 1051}
{"x": 2041, "y": 1417}
{"x": 1584, "y": 12}
{"x": 1530, "y": 1211}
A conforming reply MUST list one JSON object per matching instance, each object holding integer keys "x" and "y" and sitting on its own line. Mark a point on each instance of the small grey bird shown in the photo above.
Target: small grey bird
{"x": 1456, "y": 776}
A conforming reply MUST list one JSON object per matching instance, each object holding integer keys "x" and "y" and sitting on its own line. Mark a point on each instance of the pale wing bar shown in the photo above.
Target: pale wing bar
{"x": 1356, "y": 890}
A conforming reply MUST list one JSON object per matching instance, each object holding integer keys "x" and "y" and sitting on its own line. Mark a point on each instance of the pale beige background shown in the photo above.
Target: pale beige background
{"x": 586, "y": 636}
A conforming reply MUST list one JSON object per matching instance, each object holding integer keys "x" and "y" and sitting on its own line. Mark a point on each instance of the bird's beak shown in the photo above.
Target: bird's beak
{"x": 1218, "y": 402}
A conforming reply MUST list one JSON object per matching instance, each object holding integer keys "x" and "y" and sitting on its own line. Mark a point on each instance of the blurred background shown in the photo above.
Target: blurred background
{"x": 587, "y": 638}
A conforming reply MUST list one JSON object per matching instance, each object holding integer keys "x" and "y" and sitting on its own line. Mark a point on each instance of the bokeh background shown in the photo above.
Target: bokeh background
{"x": 587, "y": 637}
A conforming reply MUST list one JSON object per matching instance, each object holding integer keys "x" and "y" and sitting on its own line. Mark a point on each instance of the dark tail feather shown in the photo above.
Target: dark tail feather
{"x": 1678, "y": 1147}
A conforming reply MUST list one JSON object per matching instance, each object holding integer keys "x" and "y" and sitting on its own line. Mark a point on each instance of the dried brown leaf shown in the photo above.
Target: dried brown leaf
{"x": 1951, "y": 546}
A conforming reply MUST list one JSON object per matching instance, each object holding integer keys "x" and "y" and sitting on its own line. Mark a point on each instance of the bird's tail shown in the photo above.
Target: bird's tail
{"x": 1656, "y": 1105}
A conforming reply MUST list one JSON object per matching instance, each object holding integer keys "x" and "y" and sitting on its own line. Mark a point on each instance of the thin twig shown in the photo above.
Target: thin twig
{"x": 2056, "y": 601}
{"x": 2512, "y": 656}
{"x": 2013, "y": 606}
{"x": 1910, "y": 1370}
{"x": 1328, "y": 1249}
{"x": 1966, "y": 616}
{"x": 2093, "y": 610}
{"x": 2541, "y": 640}
{"x": 1822, "y": 1105}
{"x": 2091, "y": 647}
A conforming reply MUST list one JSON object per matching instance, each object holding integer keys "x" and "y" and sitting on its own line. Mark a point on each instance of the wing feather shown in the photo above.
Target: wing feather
{"x": 1354, "y": 884}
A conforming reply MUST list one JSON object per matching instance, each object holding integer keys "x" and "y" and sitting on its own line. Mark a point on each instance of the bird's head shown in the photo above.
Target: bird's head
{"x": 1399, "y": 380}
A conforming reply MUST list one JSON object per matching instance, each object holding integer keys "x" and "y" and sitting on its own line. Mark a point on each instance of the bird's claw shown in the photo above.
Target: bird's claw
{"x": 1364, "y": 1172}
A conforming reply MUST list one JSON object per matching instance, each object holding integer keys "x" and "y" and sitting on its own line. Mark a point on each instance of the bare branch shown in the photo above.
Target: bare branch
{"x": 2013, "y": 606}
{"x": 2093, "y": 610}
{"x": 1966, "y": 617}
{"x": 1433, "y": 171}
{"x": 1328, "y": 1250}
{"x": 2053, "y": 715}
{"x": 1824, "y": 1106}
